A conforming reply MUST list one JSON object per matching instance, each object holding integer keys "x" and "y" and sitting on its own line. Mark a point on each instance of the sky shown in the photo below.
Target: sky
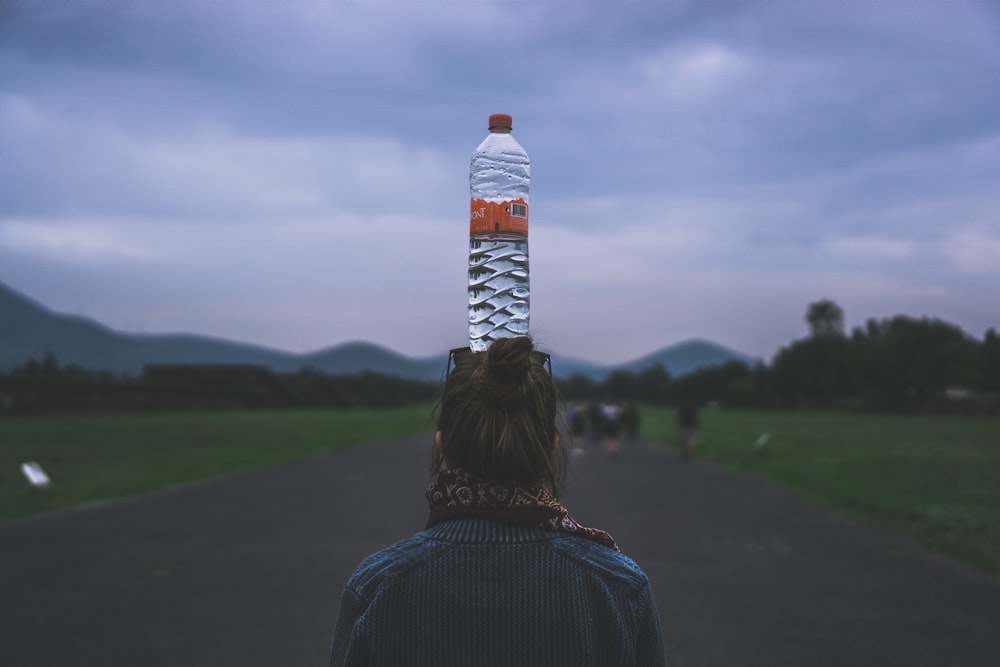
{"x": 295, "y": 174}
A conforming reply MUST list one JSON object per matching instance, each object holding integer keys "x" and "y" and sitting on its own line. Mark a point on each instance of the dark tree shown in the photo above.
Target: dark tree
{"x": 825, "y": 318}
{"x": 991, "y": 362}
{"x": 578, "y": 386}
{"x": 653, "y": 385}
{"x": 620, "y": 385}
{"x": 914, "y": 360}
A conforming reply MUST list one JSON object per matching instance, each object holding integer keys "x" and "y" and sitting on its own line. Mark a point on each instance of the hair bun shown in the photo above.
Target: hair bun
{"x": 503, "y": 375}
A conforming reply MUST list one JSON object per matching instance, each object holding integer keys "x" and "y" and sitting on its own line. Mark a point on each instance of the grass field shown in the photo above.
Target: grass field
{"x": 935, "y": 479}
{"x": 101, "y": 457}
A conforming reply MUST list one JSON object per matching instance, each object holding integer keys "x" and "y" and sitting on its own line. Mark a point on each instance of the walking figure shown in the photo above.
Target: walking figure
{"x": 688, "y": 428}
{"x": 611, "y": 421}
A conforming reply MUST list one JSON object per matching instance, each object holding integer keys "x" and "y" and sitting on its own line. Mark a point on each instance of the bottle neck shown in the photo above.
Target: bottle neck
{"x": 499, "y": 236}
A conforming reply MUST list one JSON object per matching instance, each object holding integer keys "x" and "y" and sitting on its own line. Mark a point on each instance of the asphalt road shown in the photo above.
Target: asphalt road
{"x": 247, "y": 569}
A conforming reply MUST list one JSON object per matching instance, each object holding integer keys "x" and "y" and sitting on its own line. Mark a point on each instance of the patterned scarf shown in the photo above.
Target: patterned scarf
{"x": 456, "y": 493}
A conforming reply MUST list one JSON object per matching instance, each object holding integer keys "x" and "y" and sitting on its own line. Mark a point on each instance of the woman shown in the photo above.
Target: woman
{"x": 501, "y": 575}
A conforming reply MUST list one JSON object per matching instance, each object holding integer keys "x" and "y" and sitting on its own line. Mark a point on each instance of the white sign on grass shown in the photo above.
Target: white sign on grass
{"x": 35, "y": 474}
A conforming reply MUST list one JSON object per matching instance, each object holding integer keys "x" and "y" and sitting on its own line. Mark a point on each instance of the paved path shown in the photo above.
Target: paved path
{"x": 247, "y": 570}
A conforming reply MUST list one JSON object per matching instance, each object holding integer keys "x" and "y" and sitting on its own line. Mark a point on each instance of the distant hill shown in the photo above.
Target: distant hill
{"x": 679, "y": 359}
{"x": 688, "y": 356}
{"x": 29, "y": 329}
{"x": 350, "y": 358}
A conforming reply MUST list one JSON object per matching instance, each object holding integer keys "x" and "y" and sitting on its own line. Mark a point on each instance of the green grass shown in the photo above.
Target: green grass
{"x": 935, "y": 479}
{"x": 101, "y": 457}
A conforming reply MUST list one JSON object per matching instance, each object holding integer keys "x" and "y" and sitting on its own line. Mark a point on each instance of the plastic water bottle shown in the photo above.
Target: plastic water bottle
{"x": 499, "y": 178}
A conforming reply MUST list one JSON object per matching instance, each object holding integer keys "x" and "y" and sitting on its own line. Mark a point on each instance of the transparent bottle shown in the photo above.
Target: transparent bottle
{"x": 499, "y": 179}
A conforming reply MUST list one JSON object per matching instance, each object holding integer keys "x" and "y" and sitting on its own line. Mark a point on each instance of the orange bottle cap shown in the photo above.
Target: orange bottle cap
{"x": 501, "y": 120}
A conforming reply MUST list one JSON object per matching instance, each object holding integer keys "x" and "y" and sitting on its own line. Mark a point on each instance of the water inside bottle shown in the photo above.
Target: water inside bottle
{"x": 498, "y": 288}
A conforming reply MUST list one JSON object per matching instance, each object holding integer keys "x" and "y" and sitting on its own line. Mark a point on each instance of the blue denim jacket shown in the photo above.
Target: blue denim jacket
{"x": 472, "y": 591}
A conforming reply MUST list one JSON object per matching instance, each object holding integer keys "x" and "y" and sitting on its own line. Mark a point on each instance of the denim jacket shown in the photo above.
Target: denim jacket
{"x": 472, "y": 591}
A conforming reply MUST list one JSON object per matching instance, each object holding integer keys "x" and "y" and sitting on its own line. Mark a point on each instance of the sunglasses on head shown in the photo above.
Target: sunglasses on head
{"x": 457, "y": 354}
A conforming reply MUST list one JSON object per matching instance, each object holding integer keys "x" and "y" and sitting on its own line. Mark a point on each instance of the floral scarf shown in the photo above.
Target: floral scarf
{"x": 456, "y": 493}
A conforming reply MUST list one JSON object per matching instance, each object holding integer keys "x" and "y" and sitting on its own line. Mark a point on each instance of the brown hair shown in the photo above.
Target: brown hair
{"x": 497, "y": 416}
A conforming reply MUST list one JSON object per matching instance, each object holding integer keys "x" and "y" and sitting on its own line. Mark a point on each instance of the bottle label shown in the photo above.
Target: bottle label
{"x": 491, "y": 216}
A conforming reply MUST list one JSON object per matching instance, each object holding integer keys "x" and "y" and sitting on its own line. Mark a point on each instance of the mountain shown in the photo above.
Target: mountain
{"x": 688, "y": 356}
{"x": 30, "y": 330}
{"x": 352, "y": 358}
{"x": 679, "y": 359}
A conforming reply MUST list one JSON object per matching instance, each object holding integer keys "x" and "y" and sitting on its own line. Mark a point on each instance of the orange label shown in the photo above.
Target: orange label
{"x": 490, "y": 216}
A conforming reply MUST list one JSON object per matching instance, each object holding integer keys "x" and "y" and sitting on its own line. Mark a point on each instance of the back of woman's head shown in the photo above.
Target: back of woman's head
{"x": 497, "y": 416}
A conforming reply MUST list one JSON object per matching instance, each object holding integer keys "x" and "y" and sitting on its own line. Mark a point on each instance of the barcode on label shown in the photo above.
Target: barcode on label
{"x": 518, "y": 210}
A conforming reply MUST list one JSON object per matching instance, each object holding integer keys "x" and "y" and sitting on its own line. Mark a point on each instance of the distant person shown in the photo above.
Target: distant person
{"x": 688, "y": 428}
{"x": 611, "y": 422}
{"x": 502, "y": 575}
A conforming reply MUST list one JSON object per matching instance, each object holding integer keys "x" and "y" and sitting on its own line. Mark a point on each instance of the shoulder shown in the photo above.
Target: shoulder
{"x": 394, "y": 561}
{"x": 611, "y": 566}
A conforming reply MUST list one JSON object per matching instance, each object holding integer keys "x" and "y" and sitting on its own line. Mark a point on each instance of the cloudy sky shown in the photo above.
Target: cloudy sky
{"x": 295, "y": 174}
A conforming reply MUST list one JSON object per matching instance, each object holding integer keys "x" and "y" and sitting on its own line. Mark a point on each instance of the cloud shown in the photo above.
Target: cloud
{"x": 81, "y": 242}
{"x": 694, "y": 75}
{"x": 96, "y": 167}
{"x": 869, "y": 249}
{"x": 976, "y": 251}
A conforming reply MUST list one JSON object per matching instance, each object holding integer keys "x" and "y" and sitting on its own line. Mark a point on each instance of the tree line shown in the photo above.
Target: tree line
{"x": 890, "y": 364}
{"x": 45, "y": 386}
